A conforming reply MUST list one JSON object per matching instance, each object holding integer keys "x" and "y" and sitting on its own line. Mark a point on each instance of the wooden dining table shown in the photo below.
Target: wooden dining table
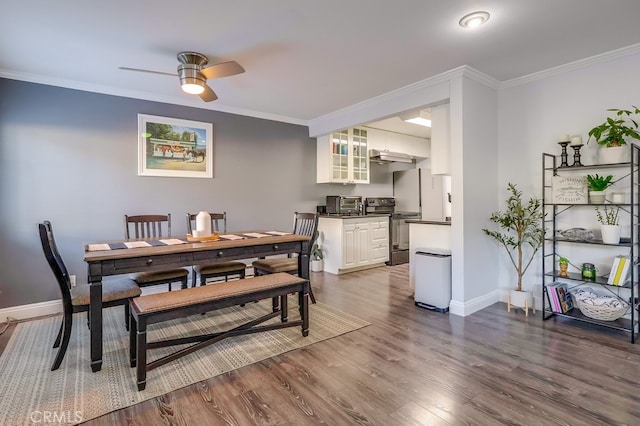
{"x": 125, "y": 257}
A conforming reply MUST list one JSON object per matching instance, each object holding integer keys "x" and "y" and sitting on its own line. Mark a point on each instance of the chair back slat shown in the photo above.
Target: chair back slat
{"x": 54, "y": 259}
{"x": 306, "y": 224}
{"x": 216, "y": 218}
{"x": 147, "y": 226}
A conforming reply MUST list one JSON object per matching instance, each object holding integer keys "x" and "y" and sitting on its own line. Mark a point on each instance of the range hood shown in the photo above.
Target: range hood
{"x": 385, "y": 157}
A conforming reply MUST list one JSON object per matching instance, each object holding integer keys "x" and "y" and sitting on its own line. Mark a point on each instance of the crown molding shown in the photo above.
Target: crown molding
{"x": 147, "y": 96}
{"x": 571, "y": 66}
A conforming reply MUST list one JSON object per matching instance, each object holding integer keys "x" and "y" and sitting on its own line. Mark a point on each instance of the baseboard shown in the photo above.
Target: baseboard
{"x": 467, "y": 308}
{"x": 52, "y": 307}
{"x": 32, "y": 310}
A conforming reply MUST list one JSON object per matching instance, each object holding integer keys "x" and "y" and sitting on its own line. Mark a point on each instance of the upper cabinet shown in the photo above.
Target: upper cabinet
{"x": 440, "y": 141}
{"x": 343, "y": 157}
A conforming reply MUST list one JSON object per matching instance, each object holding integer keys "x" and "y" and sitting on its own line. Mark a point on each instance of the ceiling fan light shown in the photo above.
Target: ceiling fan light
{"x": 474, "y": 19}
{"x": 194, "y": 88}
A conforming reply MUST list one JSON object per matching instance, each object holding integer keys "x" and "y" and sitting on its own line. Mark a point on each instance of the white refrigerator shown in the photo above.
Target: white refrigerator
{"x": 418, "y": 191}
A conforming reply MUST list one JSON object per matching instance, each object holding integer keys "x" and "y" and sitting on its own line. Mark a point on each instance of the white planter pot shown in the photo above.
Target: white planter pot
{"x": 596, "y": 197}
{"x": 614, "y": 154}
{"x": 521, "y": 299}
{"x": 610, "y": 234}
{"x": 316, "y": 265}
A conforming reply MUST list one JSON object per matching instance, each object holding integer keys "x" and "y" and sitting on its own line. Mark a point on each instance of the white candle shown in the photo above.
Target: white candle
{"x": 203, "y": 224}
{"x": 564, "y": 137}
{"x": 576, "y": 140}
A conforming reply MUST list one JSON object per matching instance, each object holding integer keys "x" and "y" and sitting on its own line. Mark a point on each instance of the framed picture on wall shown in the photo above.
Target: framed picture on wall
{"x": 172, "y": 147}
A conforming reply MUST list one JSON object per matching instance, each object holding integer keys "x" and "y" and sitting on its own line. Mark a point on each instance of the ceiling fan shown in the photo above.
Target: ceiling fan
{"x": 194, "y": 73}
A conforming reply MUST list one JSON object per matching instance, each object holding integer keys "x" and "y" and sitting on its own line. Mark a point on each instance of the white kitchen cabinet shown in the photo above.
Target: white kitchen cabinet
{"x": 356, "y": 243}
{"x": 343, "y": 157}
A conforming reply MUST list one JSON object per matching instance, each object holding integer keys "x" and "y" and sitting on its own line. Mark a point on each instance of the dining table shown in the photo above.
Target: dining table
{"x": 119, "y": 257}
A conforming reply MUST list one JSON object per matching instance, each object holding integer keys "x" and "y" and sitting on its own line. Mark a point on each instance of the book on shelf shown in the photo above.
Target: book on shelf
{"x": 620, "y": 270}
{"x": 559, "y": 298}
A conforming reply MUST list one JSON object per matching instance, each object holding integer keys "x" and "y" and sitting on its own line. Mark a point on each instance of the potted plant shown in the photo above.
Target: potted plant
{"x": 609, "y": 224}
{"x": 597, "y": 185}
{"x": 612, "y": 134}
{"x": 317, "y": 258}
{"x": 563, "y": 265}
{"x": 520, "y": 232}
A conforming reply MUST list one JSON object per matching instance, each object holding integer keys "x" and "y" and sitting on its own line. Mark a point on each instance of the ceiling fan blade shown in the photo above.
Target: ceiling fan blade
{"x": 147, "y": 71}
{"x": 223, "y": 69}
{"x": 208, "y": 95}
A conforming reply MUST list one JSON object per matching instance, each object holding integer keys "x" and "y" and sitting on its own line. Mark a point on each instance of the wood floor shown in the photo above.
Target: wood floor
{"x": 415, "y": 367}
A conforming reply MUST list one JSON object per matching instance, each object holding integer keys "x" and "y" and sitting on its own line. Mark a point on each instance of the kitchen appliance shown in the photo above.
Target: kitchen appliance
{"x": 340, "y": 204}
{"x": 379, "y": 205}
{"x": 407, "y": 191}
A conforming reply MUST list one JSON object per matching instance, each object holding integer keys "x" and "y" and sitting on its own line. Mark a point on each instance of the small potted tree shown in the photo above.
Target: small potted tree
{"x": 609, "y": 224}
{"x": 317, "y": 258}
{"x": 522, "y": 235}
{"x": 614, "y": 134}
{"x": 597, "y": 186}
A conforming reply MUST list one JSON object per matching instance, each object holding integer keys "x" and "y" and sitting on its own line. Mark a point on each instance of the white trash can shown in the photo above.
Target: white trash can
{"x": 433, "y": 279}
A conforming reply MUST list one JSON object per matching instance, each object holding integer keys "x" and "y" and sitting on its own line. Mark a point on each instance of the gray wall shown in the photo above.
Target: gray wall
{"x": 70, "y": 157}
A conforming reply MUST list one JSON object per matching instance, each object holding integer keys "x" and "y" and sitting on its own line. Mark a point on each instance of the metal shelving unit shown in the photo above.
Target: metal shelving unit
{"x": 627, "y": 292}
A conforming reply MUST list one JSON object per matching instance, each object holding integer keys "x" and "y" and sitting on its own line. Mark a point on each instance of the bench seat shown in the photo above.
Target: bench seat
{"x": 156, "y": 308}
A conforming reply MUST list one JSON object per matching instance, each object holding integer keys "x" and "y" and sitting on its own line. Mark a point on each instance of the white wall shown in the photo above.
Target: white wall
{"x": 474, "y": 154}
{"x": 532, "y": 116}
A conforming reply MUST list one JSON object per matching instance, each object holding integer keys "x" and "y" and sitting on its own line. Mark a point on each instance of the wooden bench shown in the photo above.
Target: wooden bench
{"x": 155, "y": 308}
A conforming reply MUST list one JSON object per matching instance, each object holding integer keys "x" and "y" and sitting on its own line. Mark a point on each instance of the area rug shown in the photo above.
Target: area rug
{"x": 31, "y": 393}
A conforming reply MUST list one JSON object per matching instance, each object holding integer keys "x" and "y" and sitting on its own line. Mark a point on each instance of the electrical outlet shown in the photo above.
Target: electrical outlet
{"x": 72, "y": 279}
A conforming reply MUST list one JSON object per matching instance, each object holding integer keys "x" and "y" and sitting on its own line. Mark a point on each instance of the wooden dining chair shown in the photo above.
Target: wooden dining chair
{"x": 154, "y": 226}
{"x": 303, "y": 224}
{"x": 223, "y": 269}
{"x": 114, "y": 292}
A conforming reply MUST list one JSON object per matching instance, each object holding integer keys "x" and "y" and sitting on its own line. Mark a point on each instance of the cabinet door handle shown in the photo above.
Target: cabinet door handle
{"x": 220, "y": 254}
{"x": 275, "y": 247}
{"x": 149, "y": 261}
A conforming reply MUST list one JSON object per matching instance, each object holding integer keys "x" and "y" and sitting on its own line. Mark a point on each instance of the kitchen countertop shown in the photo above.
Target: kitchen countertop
{"x": 430, "y": 222}
{"x": 353, "y": 216}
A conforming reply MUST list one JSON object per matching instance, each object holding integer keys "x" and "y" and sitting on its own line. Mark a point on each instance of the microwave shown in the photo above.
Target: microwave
{"x": 339, "y": 204}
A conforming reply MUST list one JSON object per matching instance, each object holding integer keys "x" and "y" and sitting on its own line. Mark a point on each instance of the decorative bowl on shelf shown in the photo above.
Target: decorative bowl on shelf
{"x": 577, "y": 234}
{"x": 596, "y": 306}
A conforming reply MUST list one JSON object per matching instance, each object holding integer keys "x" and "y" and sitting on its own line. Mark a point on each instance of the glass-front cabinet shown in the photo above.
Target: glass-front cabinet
{"x": 343, "y": 157}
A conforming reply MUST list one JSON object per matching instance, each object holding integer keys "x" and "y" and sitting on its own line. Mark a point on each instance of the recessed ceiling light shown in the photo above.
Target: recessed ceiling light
{"x": 474, "y": 19}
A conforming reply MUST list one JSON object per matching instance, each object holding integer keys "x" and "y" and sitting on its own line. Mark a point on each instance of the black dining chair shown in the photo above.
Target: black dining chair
{"x": 154, "y": 226}
{"x": 114, "y": 292}
{"x": 303, "y": 224}
{"x": 222, "y": 269}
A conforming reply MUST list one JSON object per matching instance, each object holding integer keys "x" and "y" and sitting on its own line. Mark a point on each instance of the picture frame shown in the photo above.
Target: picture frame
{"x": 569, "y": 190}
{"x": 173, "y": 147}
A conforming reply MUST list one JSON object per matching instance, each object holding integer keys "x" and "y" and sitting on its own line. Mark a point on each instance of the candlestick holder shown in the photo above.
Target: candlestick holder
{"x": 576, "y": 155}
{"x": 563, "y": 155}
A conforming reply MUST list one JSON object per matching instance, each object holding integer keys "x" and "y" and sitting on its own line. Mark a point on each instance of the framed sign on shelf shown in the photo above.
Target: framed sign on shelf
{"x": 569, "y": 190}
{"x": 173, "y": 147}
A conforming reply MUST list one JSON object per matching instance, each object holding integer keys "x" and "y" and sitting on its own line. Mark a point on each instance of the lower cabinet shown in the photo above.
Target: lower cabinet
{"x": 351, "y": 244}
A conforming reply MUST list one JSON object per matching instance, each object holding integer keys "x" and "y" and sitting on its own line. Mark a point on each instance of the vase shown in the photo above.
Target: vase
{"x": 614, "y": 154}
{"x": 317, "y": 265}
{"x": 596, "y": 197}
{"x": 610, "y": 234}
{"x": 521, "y": 299}
{"x": 562, "y": 270}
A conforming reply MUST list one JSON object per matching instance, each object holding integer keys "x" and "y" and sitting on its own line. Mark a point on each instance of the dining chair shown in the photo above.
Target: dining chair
{"x": 223, "y": 269}
{"x": 153, "y": 226}
{"x": 303, "y": 224}
{"x": 76, "y": 299}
